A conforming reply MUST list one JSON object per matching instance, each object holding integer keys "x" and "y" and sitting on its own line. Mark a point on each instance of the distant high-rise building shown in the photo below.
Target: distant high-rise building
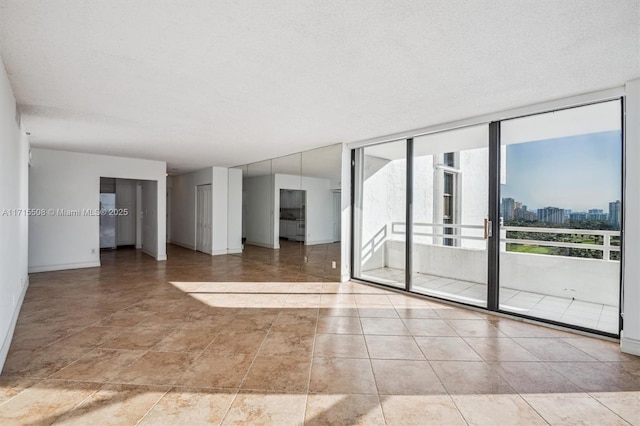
{"x": 614, "y": 213}
{"x": 551, "y": 215}
{"x": 597, "y": 214}
{"x": 508, "y": 205}
{"x": 524, "y": 215}
{"x": 577, "y": 216}
{"x": 567, "y": 215}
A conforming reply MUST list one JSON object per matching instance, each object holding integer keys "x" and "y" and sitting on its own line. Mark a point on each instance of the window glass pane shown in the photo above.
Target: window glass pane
{"x": 450, "y": 187}
{"x": 560, "y": 205}
{"x": 381, "y": 213}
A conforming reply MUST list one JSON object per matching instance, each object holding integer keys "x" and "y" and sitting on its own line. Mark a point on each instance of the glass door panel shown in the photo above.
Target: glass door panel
{"x": 380, "y": 205}
{"x": 561, "y": 188}
{"x": 450, "y": 205}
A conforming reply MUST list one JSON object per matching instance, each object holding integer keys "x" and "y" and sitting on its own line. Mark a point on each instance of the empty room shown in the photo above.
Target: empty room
{"x": 320, "y": 213}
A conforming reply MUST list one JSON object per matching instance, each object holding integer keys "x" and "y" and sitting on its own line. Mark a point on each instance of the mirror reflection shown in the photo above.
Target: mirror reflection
{"x": 291, "y": 214}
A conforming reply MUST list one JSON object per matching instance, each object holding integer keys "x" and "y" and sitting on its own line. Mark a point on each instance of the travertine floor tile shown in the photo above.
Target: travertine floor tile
{"x": 341, "y": 375}
{"x": 114, "y": 405}
{"x": 339, "y": 325}
{"x": 266, "y": 409}
{"x": 572, "y": 409}
{"x": 103, "y": 345}
{"x": 280, "y": 343}
{"x": 624, "y": 404}
{"x": 384, "y": 326}
{"x": 418, "y": 410}
{"x": 189, "y": 406}
{"x": 186, "y": 340}
{"x": 470, "y": 378}
{"x": 278, "y": 373}
{"x": 40, "y": 363}
{"x": 429, "y": 327}
{"x": 45, "y": 402}
{"x": 10, "y": 386}
{"x": 363, "y": 410}
{"x": 446, "y": 349}
{"x": 156, "y": 368}
{"x": 393, "y": 347}
{"x": 496, "y": 409}
{"x": 340, "y": 346}
{"x": 499, "y": 349}
{"x": 400, "y": 377}
{"x": 100, "y": 365}
{"x": 216, "y": 371}
{"x": 533, "y": 377}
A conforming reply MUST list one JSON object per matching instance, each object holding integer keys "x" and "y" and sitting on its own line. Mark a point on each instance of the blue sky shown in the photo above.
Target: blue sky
{"x": 577, "y": 172}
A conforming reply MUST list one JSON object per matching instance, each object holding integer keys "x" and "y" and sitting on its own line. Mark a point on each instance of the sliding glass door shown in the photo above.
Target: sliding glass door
{"x": 560, "y": 205}
{"x": 521, "y": 215}
{"x": 450, "y": 193}
{"x": 380, "y": 208}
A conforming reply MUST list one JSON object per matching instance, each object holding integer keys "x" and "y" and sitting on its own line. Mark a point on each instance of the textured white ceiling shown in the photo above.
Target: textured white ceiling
{"x": 201, "y": 82}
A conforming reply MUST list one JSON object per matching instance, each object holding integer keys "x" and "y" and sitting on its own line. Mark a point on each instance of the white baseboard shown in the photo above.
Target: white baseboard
{"x": 161, "y": 258}
{"x": 629, "y": 346}
{"x": 150, "y": 253}
{"x": 219, "y": 252}
{"x": 234, "y": 251}
{"x": 63, "y": 266}
{"x": 187, "y": 246}
{"x": 6, "y": 343}
{"x": 315, "y": 243}
{"x": 253, "y": 243}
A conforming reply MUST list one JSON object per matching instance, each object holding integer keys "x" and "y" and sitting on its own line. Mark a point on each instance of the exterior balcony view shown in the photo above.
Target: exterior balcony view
{"x": 561, "y": 288}
{"x": 555, "y": 186}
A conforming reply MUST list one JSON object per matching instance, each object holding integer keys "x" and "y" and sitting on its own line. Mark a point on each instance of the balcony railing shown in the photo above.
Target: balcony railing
{"x": 436, "y": 230}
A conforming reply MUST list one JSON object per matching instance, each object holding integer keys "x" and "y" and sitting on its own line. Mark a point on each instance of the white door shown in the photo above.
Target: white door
{"x": 336, "y": 216}
{"x": 203, "y": 218}
{"x": 126, "y": 202}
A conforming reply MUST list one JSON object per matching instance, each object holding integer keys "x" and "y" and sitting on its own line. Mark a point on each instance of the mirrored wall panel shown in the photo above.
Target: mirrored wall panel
{"x": 321, "y": 186}
{"x": 291, "y": 214}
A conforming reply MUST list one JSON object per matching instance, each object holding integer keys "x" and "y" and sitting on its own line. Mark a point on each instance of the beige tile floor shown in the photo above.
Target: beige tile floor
{"x": 595, "y": 316}
{"x": 232, "y": 340}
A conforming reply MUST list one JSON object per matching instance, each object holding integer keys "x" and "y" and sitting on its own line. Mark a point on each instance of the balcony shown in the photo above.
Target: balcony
{"x": 539, "y": 277}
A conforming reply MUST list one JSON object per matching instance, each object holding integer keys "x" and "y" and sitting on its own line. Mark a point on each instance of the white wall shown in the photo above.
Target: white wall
{"x": 183, "y": 206}
{"x": 259, "y": 211}
{"x": 234, "y": 216}
{"x": 630, "y": 339}
{"x": 319, "y": 211}
{"x": 67, "y": 180}
{"x": 150, "y": 217}
{"x": 14, "y": 174}
{"x": 220, "y": 199}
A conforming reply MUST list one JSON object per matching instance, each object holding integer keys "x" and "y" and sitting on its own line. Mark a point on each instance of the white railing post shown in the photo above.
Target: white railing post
{"x": 606, "y": 256}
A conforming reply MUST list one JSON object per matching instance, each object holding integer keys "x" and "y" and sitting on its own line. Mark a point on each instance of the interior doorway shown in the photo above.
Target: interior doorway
{"x": 119, "y": 210}
{"x": 292, "y": 215}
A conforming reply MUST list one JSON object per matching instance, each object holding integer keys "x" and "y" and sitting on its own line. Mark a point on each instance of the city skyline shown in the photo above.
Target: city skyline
{"x": 528, "y": 208}
{"x": 579, "y": 173}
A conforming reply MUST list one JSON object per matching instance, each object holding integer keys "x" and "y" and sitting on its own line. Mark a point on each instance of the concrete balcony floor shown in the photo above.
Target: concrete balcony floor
{"x": 567, "y": 310}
